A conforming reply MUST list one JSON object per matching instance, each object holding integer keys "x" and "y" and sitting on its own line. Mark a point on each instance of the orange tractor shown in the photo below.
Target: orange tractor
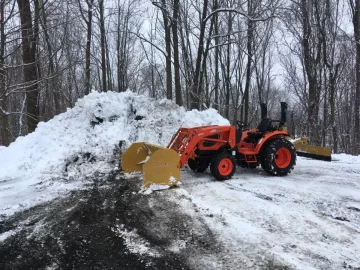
{"x": 217, "y": 147}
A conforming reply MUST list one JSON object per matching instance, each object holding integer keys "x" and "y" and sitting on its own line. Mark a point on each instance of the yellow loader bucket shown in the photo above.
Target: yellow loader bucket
{"x": 159, "y": 165}
{"x": 303, "y": 148}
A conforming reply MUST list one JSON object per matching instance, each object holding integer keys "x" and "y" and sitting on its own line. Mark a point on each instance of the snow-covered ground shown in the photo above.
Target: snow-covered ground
{"x": 309, "y": 219}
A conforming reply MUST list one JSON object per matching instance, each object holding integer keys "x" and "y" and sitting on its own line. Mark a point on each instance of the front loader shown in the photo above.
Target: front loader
{"x": 219, "y": 147}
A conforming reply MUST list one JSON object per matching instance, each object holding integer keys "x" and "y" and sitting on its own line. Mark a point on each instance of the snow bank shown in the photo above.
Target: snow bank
{"x": 88, "y": 133}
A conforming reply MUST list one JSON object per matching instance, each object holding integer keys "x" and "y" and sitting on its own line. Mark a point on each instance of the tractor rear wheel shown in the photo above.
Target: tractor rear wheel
{"x": 223, "y": 166}
{"x": 198, "y": 165}
{"x": 278, "y": 157}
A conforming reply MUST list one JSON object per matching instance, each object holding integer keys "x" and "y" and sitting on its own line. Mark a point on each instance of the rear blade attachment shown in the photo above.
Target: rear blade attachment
{"x": 160, "y": 165}
{"x": 304, "y": 149}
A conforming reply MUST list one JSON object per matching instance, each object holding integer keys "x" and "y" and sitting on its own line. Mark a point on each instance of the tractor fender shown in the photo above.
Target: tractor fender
{"x": 268, "y": 137}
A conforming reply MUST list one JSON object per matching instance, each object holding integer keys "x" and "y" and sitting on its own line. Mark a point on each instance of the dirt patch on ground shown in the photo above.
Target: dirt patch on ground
{"x": 108, "y": 225}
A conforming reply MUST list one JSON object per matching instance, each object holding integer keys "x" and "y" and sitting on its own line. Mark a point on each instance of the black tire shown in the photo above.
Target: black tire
{"x": 223, "y": 166}
{"x": 278, "y": 157}
{"x": 197, "y": 165}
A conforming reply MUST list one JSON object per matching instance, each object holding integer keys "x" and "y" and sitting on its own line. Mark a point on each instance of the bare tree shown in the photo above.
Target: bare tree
{"x": 196, "y": 87}
{"x": 29, "y": 59}
{"x": 127, "y": 31}
{"x": 5, "y": 137}
{"x": 88, "y": 19}
{"x": 355, "y": 9}
{"x": 167, "y": 20}
{"x": 328, "y": 27}
{"x": 217, "y": 53}
{"x": 175, "y": 21}
{"x": 103, "y": 46}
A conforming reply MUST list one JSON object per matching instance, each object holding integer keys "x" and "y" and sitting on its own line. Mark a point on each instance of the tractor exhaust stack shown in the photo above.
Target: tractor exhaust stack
{"x": 284, "y": 107}
{"x": 263, "y": 110}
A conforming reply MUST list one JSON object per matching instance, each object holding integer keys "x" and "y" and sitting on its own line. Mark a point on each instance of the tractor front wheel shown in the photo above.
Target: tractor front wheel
{"x": 198, "y": 165}
{"x": 223, "y": 166}
{"x": 278, "y": 157}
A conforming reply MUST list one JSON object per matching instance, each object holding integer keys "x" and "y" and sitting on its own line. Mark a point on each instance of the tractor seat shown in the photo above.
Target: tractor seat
{"x": 255, "y": 135}
{"x": 263, "y": 127}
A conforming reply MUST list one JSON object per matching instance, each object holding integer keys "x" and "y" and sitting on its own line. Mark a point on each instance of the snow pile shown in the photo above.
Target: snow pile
{"x": 87, "y": 136}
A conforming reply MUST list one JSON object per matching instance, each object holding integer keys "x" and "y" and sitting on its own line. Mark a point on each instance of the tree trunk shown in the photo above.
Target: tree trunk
{"x": 217, "y": 53}
{"x": 249, "y": 47}
{"x": 178, "y": 92}
{"x": 119, "y": 52}
{"x": 90, "y": 4}
{"x": 110, "y": 81}
{"x": 186, "y": 53}
{"x": 325, "y": 113}
{"x": 29, "y": 60}
{"x": 52, "y": 85}
{"x": 167, "y": 28}
{"x": 332, "y": 110}
{"x": 227, "y": 76}
{"x": 310, "y": 67}
{"x": 356, "y": 23}
{"x": 196, "y": 88}
{"x": 5, "y": 140}
{"x": 203, "y": 71}
{"x": 102, "y": 44}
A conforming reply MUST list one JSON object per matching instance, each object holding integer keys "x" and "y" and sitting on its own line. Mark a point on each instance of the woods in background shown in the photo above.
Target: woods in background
{"x": 227, "y": 54}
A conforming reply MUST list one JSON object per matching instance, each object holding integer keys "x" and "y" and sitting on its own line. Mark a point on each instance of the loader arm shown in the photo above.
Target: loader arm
{"x": 207, "y": 138}
{"x": 161, "y": 165}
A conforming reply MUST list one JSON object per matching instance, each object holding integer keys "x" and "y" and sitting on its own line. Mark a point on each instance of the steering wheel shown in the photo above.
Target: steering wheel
{"x": 241, "y": 124}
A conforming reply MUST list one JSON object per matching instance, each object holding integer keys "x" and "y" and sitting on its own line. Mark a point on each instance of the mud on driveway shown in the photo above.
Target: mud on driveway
{"x": 109, "y": 225}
